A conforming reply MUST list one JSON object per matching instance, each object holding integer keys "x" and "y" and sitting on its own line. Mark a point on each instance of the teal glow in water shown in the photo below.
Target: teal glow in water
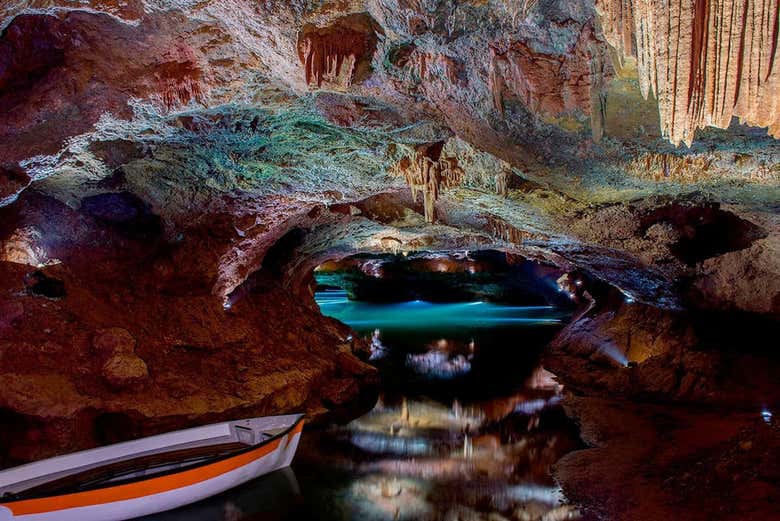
{"x": 467, "y": 423}
{"x": 418, "y": 314}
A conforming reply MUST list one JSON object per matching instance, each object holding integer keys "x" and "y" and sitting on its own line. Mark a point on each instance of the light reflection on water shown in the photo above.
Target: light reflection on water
{"x": 467, "y": 426}
{"x": 429, "y": 315}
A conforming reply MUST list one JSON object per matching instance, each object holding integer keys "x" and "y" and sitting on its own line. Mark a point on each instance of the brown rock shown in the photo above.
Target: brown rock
{"x": 9, "y": 312}
{"x": 125, "y": 371}
{"x": 113, "y": 341}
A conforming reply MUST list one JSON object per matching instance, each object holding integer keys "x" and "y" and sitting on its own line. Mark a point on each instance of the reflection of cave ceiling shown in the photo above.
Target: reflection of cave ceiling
{"x": 525, "y": 126}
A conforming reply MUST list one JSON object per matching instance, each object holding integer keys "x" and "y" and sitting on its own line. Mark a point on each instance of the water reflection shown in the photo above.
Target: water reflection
{"x": 273, "y": 497}
{"x": 419, "y": 314}
{"x": 422, "y": 459}
{"x": 467, "y": 427}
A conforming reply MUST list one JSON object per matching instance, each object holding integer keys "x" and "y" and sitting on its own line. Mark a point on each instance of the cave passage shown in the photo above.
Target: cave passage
{"x": 467, "y": 419}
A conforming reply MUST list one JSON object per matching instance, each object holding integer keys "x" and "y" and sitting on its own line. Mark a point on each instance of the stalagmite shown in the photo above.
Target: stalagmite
{"x": 427, "y": 172}
{"x": 705, "y": 60}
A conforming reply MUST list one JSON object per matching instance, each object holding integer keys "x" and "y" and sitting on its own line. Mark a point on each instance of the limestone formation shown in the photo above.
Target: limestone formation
{"x": 427, "y": 171}
{"x": 334, "y": 53}
{"x": 550, "y": 84}
{"x": 705, "y": 61}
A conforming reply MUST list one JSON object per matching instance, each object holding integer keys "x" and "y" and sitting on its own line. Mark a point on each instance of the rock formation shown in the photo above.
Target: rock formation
{"x": 705, "y": 61}
{"x": 337, "y": 51}
{"x": 428, "y": 172}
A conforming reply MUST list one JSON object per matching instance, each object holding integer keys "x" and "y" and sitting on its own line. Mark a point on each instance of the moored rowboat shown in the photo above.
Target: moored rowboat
{"x": 149, "y": 475}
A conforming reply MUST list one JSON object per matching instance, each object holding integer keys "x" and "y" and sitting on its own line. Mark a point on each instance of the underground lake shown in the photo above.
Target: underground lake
{"x": 467, "y": 422}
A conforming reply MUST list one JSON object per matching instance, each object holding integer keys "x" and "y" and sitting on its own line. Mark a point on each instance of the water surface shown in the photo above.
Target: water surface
{"x": 468, "y": 424}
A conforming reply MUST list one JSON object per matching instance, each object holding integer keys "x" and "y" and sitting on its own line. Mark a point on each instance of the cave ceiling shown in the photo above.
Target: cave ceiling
{"x": 548, "y": 128}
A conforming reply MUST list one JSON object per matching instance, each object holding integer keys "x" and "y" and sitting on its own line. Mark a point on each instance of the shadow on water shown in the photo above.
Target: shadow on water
{"x": 467, "y": 425}
{"x": 271, "y": 497}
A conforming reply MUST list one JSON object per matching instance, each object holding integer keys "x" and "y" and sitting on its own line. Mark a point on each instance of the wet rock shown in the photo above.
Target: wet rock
{"x": 617, "y": 477}
{"x": 74, "y": 365}
{"x": 647, "y": 353}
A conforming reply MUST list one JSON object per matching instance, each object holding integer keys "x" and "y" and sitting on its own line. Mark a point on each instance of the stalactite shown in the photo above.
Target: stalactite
{"x": 340, "y": 52}
{"x": 496, "y": 80}
{"x": 504, "y": 231}
{"x": 705, "y": 60}
{"x": 180, "y": 91}
{"x": 549, "y": 83}
{"x": 180, "y": 77}
{"x": 698, "y": 167}
{"x": 427, "y": 172}
{"x": 670, "y": 167}
{"x": 420, "y": 66}
{"x": 324, "y": 56}
{"x": 520, "y": 8}
{"x": 598, "y": 92}
{"x": 391, "y": 244}
{"x": 502, "y": 182}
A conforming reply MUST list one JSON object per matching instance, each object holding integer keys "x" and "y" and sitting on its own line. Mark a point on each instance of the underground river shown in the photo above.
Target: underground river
{"x": 467, "y": 424}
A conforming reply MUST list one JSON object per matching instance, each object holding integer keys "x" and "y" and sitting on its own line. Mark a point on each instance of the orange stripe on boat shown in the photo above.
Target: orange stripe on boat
{"x": 147, "y": 487}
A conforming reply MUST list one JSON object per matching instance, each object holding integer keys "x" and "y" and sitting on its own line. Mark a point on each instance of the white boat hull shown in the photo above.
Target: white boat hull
{"x": 158, "y": 494}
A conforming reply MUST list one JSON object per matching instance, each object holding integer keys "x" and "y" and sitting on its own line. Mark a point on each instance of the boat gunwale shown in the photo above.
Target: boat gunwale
{"x": 16, "y": 498}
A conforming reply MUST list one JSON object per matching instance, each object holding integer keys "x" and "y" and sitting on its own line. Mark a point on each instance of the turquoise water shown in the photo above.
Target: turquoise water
{"x": 467, "y": 424}
{"x": 420, "y": 315}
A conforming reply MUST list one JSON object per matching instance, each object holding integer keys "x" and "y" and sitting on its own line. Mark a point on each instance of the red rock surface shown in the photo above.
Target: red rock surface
{"x": 648, "y": 462}
{"x": 151, "y": 354}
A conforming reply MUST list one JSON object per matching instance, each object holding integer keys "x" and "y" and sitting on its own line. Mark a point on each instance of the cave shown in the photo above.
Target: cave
{"x": 509, "y": 259}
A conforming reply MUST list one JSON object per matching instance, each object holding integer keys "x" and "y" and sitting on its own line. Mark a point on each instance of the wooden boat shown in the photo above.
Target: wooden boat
{"x": 149, "y": 475}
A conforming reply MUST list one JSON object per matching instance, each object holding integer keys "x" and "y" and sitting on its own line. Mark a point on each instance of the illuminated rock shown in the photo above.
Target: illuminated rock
{"x": 427, "y": 171}
{"x": 705, "y": 61}
{"x": 339, "y": 53}
{"x": 123, "y": 371}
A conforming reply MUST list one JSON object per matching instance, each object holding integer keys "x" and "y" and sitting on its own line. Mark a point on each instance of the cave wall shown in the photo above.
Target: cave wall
{"x": 106, "y": 334}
